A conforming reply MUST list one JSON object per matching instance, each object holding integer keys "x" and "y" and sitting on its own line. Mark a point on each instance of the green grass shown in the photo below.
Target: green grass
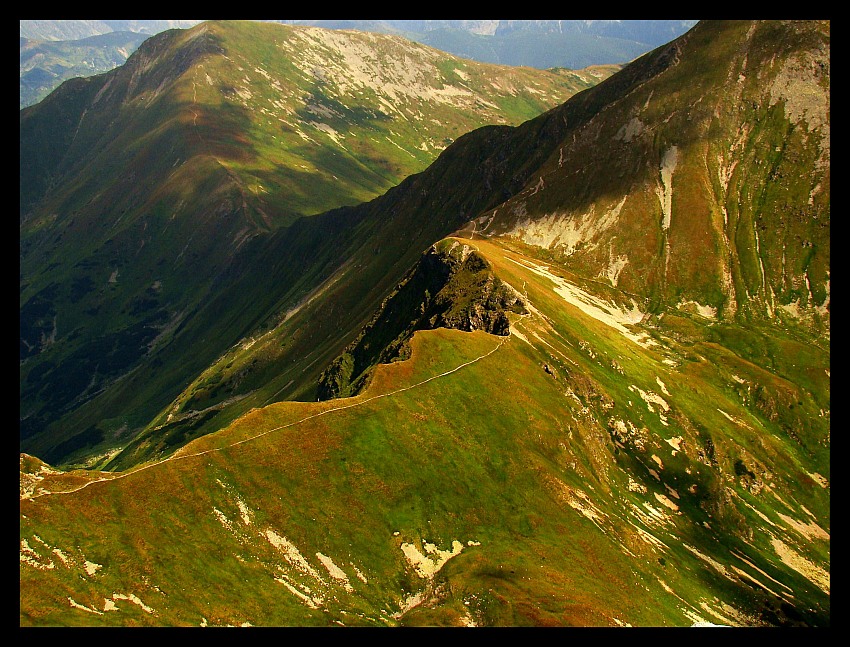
{"x": 495, "y": 453}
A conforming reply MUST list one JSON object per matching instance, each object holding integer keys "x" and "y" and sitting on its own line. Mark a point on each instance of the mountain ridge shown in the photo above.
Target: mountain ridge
{"x": 557, "y": 127}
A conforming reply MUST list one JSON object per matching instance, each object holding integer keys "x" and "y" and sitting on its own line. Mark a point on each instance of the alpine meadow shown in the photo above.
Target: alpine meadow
{"x": 322, "y": 326}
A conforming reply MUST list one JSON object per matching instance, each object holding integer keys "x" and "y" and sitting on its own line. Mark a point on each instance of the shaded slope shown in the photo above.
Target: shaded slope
{"x": 141, "y": 188}
{"x": 451, "y": 286}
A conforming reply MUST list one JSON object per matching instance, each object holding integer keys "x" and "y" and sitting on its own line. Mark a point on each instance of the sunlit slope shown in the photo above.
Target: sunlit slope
{"x": 563, "y": 475}
{"x": 337, "y": 118}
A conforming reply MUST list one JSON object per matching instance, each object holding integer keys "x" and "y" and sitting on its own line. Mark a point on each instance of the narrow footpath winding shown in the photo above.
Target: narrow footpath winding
{"x": 286, "y": 426}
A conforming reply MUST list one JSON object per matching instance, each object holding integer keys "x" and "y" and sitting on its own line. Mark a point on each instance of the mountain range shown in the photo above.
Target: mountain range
{"x": 46, "y": 64}
{"x": 55, "y": 50}
{"x": 564, "y": 361}
{"x": 543, "y": 44}
{"x": 67, "y": 30}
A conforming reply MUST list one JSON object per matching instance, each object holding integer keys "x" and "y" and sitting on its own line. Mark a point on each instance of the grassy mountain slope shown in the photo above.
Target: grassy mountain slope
{"x": 707, "y": 187}
{"x": 561, "y": 475}
{"x": 143, "y": 189}
{"x": 285, "y": 357}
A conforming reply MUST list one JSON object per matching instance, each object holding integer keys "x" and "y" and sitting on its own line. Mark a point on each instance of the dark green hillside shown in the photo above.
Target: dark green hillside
{"x": 142, "y": 190}
{"x": 317, "y": 311}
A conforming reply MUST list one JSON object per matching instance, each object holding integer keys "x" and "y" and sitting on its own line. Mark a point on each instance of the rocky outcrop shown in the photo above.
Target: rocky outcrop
{"x": 451, "y": 287}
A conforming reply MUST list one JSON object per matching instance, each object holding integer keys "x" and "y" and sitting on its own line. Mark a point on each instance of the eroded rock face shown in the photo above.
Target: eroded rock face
{"x": 451, "y": 287}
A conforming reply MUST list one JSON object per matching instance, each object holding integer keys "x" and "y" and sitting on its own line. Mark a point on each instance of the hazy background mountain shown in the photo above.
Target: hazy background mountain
{"x": 46, "y": 64}
{"x": 55, "y": 50}
{"x": 613, "y": 401}
{"x": 536, "y": 43}
{"x": 64, "y": 30}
